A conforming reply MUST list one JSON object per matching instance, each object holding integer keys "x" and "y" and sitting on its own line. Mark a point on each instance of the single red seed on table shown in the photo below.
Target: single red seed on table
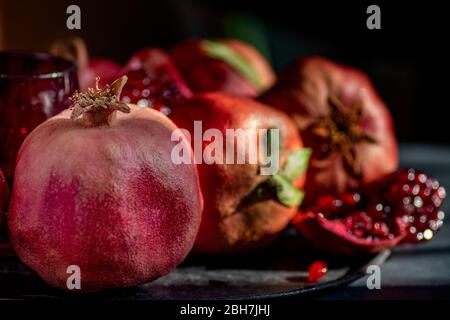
{"x": 316, "y": 271}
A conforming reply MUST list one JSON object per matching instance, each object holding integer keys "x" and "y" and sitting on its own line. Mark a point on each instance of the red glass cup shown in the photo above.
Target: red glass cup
{"x": 33, "y": 87}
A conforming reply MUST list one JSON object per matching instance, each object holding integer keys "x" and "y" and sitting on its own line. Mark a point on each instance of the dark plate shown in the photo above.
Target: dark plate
{"x": 279, "y": 270}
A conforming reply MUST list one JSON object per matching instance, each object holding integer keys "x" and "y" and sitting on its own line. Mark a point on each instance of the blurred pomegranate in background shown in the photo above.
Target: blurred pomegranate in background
{"x": 225, "y": 65}
{"x": 153, "y": 81}
{"x": 342, "y": 119}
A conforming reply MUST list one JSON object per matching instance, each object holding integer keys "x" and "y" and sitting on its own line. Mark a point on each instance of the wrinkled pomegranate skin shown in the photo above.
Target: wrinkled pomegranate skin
{"x": 303, "y": 90}
{"x": 4, "y": 195}
{"x": 205, "y": 74}
{"x": 229, "y": 225}
{"x": 108, "y": 199}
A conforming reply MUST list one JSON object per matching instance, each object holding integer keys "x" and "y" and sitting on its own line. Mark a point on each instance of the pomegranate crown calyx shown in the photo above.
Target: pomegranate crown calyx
{"x": 342, "y": 132}
{"x": 97, "y": 100}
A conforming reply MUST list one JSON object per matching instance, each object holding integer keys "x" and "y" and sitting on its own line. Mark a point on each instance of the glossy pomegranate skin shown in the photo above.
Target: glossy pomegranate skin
{"x": 229, "y": 224}
{"x": 105, "y": 198}
{"x": 205, "y": 74}
{"x": 153, "y": 80}
{"x": 4, "y": 196}
{"x": 303, "y": 90}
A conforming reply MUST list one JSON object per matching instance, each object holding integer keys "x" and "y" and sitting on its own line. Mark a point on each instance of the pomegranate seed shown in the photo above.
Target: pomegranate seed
{"x": 349, "y": 199}
{"x": 411, "y": 175}
{"x": 380, "y": 229}
{"x": 378, "y": 211}
{"x": 316, "y": 271}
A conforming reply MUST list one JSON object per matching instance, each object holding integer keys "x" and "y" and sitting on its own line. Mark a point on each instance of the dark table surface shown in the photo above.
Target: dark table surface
{"x": 423, "y": 271}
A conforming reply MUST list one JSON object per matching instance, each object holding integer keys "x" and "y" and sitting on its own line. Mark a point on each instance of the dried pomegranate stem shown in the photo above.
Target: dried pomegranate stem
{"x": 97, "y": 106}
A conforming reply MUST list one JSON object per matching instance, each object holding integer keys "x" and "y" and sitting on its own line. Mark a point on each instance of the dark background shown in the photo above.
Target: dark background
{"x": 407, "y": 59}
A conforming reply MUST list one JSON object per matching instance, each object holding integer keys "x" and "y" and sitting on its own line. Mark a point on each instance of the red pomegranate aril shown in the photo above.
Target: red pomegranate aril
{"x": 425, "y": 192}
{"x": 380, "y": 229}
{"x": 326, "y": 205}
{"x": 350, "y": 199}
{"x": 441, "y": 193}
{"x": 332, "y": 206}
{"x": 326, "y": 202}
{"x": 437, "y": 215}
{"x": 378, "y": 211}
{"x": 358, "y": 221}
{"x": 316, "y": 271}
{"x": 411, "y": 175}
{"x": 415, "y": 190}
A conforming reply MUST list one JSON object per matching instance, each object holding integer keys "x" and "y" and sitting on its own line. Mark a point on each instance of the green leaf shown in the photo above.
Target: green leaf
{"x": 296, "y": 164}
{"x": 287, "y": 194}
{"x": 221, "y": 51}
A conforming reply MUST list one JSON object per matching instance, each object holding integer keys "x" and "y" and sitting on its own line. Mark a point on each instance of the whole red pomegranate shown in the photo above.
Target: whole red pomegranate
{"x": 4, "y": 195}
{"x": 243, "y": 208}
{"x": 342, "y": 119}
{"x": 74, "y": 49}
{"x": 225, "y": 65}
{"x": 153, "y": 81}
{"x": 403, "y": 206}
{"x": 95, "y": 187}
